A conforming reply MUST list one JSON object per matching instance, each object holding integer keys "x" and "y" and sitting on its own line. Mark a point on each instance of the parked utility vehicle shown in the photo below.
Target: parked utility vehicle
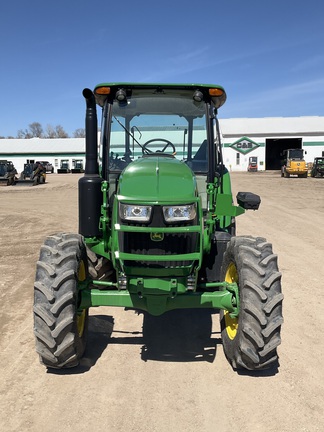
{"x": 34, "y": 173}
{"x": 253, "y": 164}
{"x": 8, "y": 173}
{"x": 318, "y": 167}
{"x": 293, "y": 163}
{"x": 77, "y": 166}
{"x": 47, "y": 165}
{"x": 157, "y": 229}
{"x": 64, "y": 167}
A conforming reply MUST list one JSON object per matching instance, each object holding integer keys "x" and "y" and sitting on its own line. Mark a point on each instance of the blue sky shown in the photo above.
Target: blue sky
{"x": 268, "y": 55}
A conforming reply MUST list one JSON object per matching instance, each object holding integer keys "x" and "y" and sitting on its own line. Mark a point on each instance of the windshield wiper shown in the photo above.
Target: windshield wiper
{"x": 131, "y": 135}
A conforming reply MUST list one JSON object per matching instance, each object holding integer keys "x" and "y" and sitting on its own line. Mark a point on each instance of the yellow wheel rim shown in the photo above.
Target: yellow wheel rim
{"x": 81, "y": 272}
{"x": 82, "y": 315}
{"x": 231, "y": 324}
{"x": 80, "y": 322}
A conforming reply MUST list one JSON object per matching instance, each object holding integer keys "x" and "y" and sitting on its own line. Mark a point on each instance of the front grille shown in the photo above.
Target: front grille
{"x": 167, "y": 244}
{"x": 172, "y": 244}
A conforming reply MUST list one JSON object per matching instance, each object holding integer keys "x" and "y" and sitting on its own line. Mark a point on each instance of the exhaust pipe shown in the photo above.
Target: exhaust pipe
{"x": 91, "y": 133}
{"x": 90, "y": 195}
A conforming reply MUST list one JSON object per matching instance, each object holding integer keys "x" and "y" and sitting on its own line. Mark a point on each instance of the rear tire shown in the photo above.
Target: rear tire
{"x": 60, "y": 329}
{"x": 250, "y": 341}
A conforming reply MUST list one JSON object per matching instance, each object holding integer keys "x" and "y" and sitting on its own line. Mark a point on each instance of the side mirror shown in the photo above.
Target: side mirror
{"x": 248, "y": 200}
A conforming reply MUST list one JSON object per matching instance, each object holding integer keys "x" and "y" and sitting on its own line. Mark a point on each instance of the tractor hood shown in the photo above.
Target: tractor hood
{"x": 158, "y": 180}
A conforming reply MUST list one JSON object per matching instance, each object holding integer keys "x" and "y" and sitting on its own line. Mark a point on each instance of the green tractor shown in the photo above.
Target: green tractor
{"x": 318, "y": 167}
{"x": 157, "y": 229}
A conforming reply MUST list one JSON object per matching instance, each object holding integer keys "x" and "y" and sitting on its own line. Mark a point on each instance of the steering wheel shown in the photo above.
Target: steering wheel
{"x": 168, "y": 144}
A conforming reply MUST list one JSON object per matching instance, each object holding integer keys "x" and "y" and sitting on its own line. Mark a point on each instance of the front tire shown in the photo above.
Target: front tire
{"x": 60, "y": 329}
{"x": 250, "y": 341}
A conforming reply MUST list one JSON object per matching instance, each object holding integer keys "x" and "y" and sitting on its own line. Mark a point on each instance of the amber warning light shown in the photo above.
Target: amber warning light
{"x": 102, "y": 90}
{"x": 216, "y": 92}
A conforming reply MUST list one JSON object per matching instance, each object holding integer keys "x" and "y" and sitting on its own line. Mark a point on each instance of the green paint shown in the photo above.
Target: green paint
{"x": 145, "y": 296}
{"x": 157, "y": 263}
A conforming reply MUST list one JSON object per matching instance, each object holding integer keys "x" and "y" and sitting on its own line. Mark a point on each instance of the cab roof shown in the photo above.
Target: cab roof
{"x": 213, "y": 92}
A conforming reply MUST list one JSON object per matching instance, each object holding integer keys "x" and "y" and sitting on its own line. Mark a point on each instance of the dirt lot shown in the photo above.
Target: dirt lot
{"x": 161, "y": 374}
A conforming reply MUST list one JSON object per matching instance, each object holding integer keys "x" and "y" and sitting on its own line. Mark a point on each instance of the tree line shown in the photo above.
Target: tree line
{"x": 36, "y": 130}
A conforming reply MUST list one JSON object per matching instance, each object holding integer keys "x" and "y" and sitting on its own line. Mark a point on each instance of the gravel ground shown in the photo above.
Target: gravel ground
{"x": 155, "y": 374}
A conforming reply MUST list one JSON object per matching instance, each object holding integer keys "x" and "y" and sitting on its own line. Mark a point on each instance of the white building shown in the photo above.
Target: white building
{"x": 266, "y": 138}
{"x": 242, "y": 138}
{"x": 56, "y": 150}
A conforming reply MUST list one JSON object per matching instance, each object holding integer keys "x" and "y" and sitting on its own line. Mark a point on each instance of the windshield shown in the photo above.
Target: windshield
{"x": 170, "y": 123}
{"x": 296, "y": 154}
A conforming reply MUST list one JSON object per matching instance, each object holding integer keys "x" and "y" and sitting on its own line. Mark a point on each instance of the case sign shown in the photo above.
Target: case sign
{"x": 244, "y": 145}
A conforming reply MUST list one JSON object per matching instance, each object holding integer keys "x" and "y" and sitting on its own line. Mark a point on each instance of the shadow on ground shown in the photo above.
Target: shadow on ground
{"x": 177, "y": 336}
{"x": 183, "y": 336}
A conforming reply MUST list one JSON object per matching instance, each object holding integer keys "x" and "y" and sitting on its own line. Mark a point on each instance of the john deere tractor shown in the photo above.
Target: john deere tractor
{"x": 318, "y": 167}
{"x": 157, "y": 229}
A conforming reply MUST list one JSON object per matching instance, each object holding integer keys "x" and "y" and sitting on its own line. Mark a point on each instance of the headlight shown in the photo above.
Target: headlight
{"x": 135, "y": 212}
{"x": 179, "y": 213}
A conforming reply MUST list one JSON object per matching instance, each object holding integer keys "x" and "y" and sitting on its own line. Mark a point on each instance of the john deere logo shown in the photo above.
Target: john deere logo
{"x": 244, "y": 145}
{"x": 157, "y": 236}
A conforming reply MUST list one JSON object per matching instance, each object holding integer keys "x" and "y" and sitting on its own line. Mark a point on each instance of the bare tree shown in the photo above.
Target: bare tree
{"x": 60, "y": 132}
{"x": 36, "y": 129}
{"x": 55, "y": 132}
{"x": 24, "y": 134}
{"x": 79, "y": 133}
{"x": 50, "y": 132}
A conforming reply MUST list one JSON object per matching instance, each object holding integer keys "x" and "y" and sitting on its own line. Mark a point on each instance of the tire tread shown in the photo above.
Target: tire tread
{"x": 255, "y": 344}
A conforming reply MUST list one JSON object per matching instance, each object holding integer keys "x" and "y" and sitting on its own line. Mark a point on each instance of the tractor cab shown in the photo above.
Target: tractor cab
{"x": 159, "y": 126}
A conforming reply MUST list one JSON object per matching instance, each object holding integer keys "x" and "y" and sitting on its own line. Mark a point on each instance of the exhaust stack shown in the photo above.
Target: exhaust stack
{"x": 90, "y": 195}
{"x": 91, "y": 133}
